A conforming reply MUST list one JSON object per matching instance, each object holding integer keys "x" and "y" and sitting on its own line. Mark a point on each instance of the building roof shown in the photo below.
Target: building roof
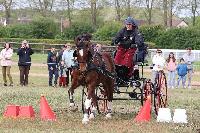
{"x": 177, "y": 23}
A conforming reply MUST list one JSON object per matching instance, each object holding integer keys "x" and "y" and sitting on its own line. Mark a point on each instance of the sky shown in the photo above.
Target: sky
{"x": 180, "y": 13}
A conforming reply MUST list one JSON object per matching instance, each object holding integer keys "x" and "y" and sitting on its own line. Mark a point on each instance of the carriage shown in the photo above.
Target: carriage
{"x": 101, "y": 79}
{"x": 137, "y": 87}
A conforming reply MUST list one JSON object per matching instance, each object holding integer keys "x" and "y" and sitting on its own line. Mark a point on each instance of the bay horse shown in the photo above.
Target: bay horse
{"x": 91, "y": 71}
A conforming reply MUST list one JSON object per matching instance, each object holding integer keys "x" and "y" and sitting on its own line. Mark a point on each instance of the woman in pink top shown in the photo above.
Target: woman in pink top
{"x": 5, "y": 57}
{"x": 171, "y": 67}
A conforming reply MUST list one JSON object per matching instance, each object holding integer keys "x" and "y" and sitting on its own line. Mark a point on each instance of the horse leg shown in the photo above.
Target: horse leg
{"x": 88, "y": 103}
{"x": 94, "y": 107}
{"x": 71, "y": 95}
{"x": 109, "y": 90}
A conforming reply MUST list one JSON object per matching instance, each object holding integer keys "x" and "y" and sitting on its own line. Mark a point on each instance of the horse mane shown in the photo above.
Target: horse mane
{"x": 109, "y": 61}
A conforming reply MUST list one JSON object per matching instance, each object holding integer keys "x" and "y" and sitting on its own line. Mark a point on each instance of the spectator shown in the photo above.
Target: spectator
{"x": 158, "y": 64}
{"x": 62, "y": 74}
{"x": 182, "y": 72}
{"x": 98, "y": 48}
{"x": 60, "y": 53}
{"x": 6, "y": 62}
{"x": 171, "y": 67}
{"x": 189, "y": 60}
{"x": 68, "y": 59}
{"x": 24, "y": 62}
{"x": 52, "y": 67}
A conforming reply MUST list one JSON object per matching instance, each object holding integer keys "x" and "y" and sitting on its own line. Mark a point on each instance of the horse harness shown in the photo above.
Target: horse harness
{"x": 101, "y": 68}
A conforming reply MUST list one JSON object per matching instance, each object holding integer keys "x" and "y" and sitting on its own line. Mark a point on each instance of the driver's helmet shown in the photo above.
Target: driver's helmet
{"x": 130, "y": 20}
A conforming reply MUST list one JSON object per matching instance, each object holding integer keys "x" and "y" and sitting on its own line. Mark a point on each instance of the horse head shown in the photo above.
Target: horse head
{"x": 83, "y": 45}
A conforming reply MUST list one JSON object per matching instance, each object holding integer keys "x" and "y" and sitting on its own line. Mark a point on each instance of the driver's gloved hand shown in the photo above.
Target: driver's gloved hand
{"x": 133, "y": 45}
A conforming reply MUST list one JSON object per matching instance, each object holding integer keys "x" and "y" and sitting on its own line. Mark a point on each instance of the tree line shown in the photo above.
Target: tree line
{"x": 169, "y": 8}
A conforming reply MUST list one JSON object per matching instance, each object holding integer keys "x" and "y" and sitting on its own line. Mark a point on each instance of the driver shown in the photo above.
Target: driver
{"x": 127, "y": 39}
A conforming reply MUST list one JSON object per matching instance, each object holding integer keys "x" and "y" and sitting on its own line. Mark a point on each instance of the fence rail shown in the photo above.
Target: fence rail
{"x": 44, "y": 47}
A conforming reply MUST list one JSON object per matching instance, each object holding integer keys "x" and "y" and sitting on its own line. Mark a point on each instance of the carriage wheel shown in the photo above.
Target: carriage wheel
{"x": 101, "y": 104}
{"x": 160, "y": 92}
{"x": 141, "y": 96}
{"x": 147, "y": 88}
{"x": 141, "y": 93}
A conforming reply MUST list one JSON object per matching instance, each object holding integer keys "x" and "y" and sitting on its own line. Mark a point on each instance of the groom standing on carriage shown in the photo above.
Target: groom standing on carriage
{"x": 128, "y": 40}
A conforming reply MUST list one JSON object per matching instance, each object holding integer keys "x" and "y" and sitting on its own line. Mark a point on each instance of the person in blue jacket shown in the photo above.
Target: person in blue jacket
{"x": 182, "y": 72}
{"x": 52, "y": 63}
{"x": 24, "y": 62}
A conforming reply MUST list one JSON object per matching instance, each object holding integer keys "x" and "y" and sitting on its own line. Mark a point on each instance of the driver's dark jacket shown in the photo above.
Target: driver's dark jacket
{"x": 128, "y": 38}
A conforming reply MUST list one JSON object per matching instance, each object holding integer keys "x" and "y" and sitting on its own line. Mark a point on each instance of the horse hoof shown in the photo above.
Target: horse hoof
{"x": 85, "y": 121}
{"x": 73, "y": 108}
{"x": 109, "y": 116}
{"x": 72, "y": 104}
{"x": 92, "y": 116}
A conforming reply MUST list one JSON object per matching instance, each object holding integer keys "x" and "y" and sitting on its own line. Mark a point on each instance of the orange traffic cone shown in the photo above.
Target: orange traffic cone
{"x": 26, "y": 112}
{"x": 145, "y": 111}
{"x": 45, "y": 111}
{"x": 11, "y": 111}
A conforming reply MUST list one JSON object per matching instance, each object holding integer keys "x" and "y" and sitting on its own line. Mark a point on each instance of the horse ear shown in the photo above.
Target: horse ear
{"x": 77, "y": 39}
{"x": 87, "y": 36}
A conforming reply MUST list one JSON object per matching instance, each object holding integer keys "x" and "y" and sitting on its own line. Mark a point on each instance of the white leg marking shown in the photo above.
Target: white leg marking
{"x": 81, "y": 52}
{"x": 88, "y": 103}
{"x": 85, "y": 119}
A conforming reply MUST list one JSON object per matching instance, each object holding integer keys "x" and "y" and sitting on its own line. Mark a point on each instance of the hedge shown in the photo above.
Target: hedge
{"x": 156, "y": 36}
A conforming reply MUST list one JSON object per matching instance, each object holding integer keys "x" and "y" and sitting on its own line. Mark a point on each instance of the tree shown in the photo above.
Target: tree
{"x": 93, "y": 7}
{"x": 68, "y": 5}
{"x": 148, "y": 11}
{"x": 69, "y": 11}
{"x": 42, "y": 6}
{"x": 171, "y": 5}
{"x": 128, "y": 7}
{"x": 7, "y": 4}
{"x": 165, "y": 9}
{"x": 118, "y": 10}
{"x": 194, "y": 10}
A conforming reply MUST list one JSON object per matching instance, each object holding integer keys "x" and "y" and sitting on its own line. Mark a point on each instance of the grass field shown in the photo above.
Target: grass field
{"x": 121, "y": 122}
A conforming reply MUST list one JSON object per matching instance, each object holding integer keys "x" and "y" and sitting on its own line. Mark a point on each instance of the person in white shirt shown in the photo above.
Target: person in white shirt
{"x": 6, "y": 62}
{"x": 68, "y": 59}
{"x": 189, "y": 60}
{"x": 158, "y": 64}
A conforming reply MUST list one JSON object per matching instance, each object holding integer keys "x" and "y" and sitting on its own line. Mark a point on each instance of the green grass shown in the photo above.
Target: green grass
{"x": 67, "y": 121}
{"x": 36, "y": 58}
{"x": 121, "y": 122}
